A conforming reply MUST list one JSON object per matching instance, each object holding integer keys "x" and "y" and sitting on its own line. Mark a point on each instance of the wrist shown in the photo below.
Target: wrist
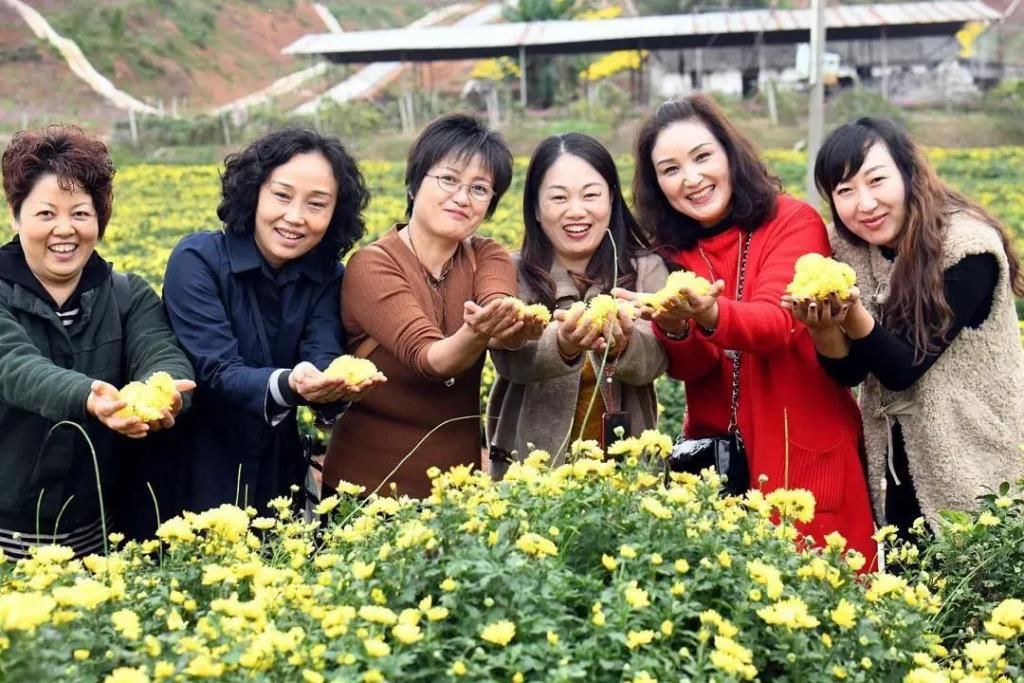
{"x": 679, "y": 334}
{"x": 568, "y": 351}
{"x": 707, "y": 320}
{"x": 859, "y": 322}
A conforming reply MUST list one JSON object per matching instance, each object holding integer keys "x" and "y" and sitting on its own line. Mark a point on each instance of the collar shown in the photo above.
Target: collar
{"x": 722, "y": 226}
{"x": 14, "y": 269}
{"x": 244, "y": 256}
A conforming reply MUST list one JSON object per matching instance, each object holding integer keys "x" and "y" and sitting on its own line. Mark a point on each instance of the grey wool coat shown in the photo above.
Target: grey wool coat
{"x": 534, "y": 397}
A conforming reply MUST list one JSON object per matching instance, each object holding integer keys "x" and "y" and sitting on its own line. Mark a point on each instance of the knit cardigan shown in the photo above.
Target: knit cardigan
{"x": 963, "y": 420}
{"x": 800, "y": 427}
{"x": 533, "y": 400}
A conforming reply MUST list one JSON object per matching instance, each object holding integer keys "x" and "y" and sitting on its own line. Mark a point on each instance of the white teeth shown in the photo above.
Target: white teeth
{"x": 703, "y": 194}
{"x": 289, "y": 235}
{"x": 63, "y": 248}
{"x": 576, "y": 229}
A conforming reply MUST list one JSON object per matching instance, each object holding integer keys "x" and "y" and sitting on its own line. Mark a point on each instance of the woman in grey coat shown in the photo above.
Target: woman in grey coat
{"x": 573, "y": 209}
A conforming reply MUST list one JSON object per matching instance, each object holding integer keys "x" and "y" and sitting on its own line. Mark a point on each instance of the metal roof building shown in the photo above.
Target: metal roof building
{"x": 712, "y": 29}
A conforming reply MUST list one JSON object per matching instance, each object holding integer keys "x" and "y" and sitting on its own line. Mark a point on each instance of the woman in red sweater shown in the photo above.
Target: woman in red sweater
{"x": 700, "y": 185}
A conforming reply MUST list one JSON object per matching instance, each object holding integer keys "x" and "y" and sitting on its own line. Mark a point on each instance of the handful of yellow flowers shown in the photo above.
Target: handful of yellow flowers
{"x": 600, "y": 311}
{"x": 147, "y": 400}
{"x": 352, "y": 369}
{"x": 538, "y": 312}
{"x": 674, "y": 285}
{"x": 817, "y": 277}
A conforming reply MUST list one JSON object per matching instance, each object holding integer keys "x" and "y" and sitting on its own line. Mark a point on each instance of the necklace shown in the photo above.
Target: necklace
{"x": 739, "y": 263}
{"x": 434, "y": 282}
{"x": 438, "y": 290}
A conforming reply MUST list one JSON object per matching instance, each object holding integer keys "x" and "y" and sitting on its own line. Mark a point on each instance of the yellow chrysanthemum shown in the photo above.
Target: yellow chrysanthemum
{"x": 675, "y": 285}
{"x": 791, "y": 613}
{"x": 816, "y": 277}
{"x": 537, "y": 312}
{"x": 147, "y": 400}
{"x": 635, "y": 639}
{"x": 500, "y": 632}
{"x": 352, "y": 369}
{"x": 1007, "y": 619}
{"x": 25, "y": 611}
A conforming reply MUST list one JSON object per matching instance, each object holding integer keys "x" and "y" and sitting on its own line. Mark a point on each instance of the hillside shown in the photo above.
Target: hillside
{"x": 191, "y": 54}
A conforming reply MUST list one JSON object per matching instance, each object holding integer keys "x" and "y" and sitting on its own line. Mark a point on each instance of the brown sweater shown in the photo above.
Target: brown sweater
{"x": 386, "y": 296}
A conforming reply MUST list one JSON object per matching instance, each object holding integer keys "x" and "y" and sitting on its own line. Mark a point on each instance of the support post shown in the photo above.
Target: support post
{"x": 522, "y": 76}
{"x": 816, "y": 106}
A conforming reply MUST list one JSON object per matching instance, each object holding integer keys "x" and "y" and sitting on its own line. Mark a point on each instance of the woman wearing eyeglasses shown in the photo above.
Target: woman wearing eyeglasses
{"x": 423, "y": 303}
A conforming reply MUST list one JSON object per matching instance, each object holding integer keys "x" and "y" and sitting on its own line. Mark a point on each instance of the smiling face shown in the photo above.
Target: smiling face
{"x": 452, "y": 215}
{"x": 574, "y": 208}
{"x": 295, "y": 207}
{"x": 693, "y": 171}
{"x": 872, "y": 202}
{"x": 58, "y": 230}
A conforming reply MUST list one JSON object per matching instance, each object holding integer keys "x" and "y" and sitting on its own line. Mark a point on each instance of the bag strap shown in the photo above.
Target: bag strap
{"x": 122, "y": 295}
{"x": 369, "y": 345}
{"x": 735, "y": 399}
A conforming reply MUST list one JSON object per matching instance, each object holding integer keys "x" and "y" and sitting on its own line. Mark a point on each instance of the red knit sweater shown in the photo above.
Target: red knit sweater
{"x": 782, "y": 386}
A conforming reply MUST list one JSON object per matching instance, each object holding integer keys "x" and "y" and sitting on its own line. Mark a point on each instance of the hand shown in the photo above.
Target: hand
{"x": 315, "y": 387}
{"x": 498, "y": 319}
{"x": 679, "y": 308}
{"x": 531, "y": 329}
{"x": 104, "y": 401}
{"x": 167, "y": 421}
{"x": 821, "y": 315}
{"x": 573, "y": 338}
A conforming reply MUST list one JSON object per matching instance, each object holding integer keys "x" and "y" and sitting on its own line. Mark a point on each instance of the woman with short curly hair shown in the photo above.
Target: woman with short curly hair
{"x": 72, "y": 330}
{"x": 256, "y": 307}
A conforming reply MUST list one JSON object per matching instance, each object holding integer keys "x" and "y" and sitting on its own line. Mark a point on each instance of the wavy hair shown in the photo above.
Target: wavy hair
{"x": 537, "y": 255}
{"x": 917, "y": 305}
{"x": 245, "y": 173}
{"x": 754, "y": 189}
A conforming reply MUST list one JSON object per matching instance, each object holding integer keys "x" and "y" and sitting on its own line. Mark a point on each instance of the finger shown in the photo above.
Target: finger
{"x": 812, "y": 312}
{"x": 184, "y": 385}
{"x": 716, "y": 289}
{"x": 625, "y": 294}
{"x": 106, "y": 407}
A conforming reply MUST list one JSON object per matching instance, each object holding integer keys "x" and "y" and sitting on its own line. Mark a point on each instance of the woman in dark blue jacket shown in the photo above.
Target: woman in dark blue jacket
{"x": 256, "y": 308}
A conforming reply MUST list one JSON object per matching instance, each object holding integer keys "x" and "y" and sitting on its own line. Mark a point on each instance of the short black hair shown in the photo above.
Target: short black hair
{"x": 245, "y": 173}
{"x": 458, "y": 137}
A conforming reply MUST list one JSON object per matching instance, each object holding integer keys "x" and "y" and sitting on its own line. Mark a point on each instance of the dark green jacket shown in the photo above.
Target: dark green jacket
{"x": 46, "y": 372}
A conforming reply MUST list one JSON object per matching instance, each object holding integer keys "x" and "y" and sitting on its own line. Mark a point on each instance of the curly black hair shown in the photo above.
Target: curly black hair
{"x": 245, "y": 173}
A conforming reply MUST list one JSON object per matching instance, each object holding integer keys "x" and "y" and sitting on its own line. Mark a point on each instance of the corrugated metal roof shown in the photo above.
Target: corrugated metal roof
{"x": 939, "y": 17}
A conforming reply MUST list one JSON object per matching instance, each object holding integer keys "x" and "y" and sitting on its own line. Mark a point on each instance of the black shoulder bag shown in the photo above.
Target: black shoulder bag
{"x": 726, "y": 453}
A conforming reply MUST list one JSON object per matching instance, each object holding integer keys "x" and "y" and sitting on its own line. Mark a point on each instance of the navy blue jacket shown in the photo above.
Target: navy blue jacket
{"x": 239, "y": 321}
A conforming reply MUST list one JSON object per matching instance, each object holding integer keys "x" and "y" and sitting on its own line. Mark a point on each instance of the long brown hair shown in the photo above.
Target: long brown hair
{"x": 917, "y": 306}
{"x": 537, "y": 255}
{"x": 754, "y": 189}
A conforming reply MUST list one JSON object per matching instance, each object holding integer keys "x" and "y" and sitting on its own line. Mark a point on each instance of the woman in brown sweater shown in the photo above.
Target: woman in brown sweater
{"x": 424, "y": 302}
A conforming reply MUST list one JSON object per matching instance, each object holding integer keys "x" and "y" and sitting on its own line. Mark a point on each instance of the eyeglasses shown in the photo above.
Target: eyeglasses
{"x": 451, "y": 184}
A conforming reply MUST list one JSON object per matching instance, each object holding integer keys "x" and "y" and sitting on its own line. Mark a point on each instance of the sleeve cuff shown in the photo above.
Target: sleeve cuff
{"x": 281, "y": 392}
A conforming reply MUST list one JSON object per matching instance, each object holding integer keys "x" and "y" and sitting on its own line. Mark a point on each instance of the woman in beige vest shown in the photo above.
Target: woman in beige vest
{"x": 573, "y": 211}
{"x": 932, "y": 332}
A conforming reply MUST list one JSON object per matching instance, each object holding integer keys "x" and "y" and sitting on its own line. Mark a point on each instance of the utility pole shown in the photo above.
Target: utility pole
{"x": 816, "y": 106}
